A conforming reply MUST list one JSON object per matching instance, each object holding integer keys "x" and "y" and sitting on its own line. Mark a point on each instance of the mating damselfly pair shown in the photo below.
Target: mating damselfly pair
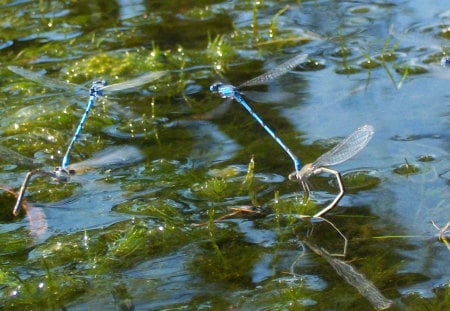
{"x": 96, "y": 90}
{"x": 343, "y": 151}
{"x": 64, "y": 172}
{"x": 346, "y": 149}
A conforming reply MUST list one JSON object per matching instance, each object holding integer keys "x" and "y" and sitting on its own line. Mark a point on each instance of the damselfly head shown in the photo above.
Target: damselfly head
{"x": 293, "y": 176}
{"x": 445, "y": 61}
{"x": 223, "y": 90}
{"x": 97, "y": 86}
{"x": 62, "y": 174}
{"x": 303, "y": 174}
{"x": 214, "y": 88}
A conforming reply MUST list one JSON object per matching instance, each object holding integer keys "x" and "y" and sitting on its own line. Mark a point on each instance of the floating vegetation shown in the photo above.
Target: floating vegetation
{"x": 347, "y": 70}
{"x": 411, "y": 70}
{"x": 406, "y": 169}
{"x": 426, "y": 158}
{"x": 360, "y": 179}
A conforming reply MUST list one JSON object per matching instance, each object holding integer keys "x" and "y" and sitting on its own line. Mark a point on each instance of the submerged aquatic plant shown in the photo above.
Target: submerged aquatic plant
{"x": 443, "y": 233}
{"x": 388, "y": 56}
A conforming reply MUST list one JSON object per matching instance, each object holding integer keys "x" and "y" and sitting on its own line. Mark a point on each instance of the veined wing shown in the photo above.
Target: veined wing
{"x": 347, "y": 148}
{"x": 147, "y": 78}
{"x": 277, "y": 71}
{"x": 42, "y": 80}
{"x": 112, "y": 156}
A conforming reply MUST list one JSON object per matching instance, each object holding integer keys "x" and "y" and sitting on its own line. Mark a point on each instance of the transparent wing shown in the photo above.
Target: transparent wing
{"x": 112, "y": 156}
{"x": 41, "y": 79}
{"x": 347, "y": 148}
{"x": 216, "y": 113}
{"x": 274, "y": 97}
{"x": 277, "y": 71}
{"x": 135, "y": 82}
{"x": 57, "y": 84}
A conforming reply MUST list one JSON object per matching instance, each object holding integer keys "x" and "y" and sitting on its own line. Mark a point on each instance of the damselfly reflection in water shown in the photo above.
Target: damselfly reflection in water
{"x": 95, "y": 91}
{"x": 344, "y": 150}
{"x": 230, "y": 92}
{"x": 110, "y": 157}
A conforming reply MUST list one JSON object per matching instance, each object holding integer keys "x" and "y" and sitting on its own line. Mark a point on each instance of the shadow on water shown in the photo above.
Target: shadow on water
{"x": 206, "y": 218}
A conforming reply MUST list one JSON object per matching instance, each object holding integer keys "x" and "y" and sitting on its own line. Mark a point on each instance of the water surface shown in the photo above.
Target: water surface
{"x": 143, "y": 234}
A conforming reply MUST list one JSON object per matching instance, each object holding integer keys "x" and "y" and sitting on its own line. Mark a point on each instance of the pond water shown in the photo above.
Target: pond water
{"x": 200, "y": 213}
